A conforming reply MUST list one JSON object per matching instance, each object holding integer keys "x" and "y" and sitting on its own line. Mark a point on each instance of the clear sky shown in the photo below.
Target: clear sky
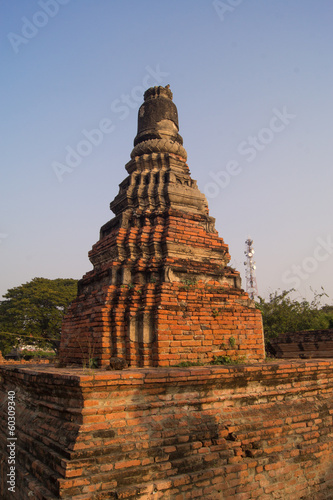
{"x": 253, "y": 83}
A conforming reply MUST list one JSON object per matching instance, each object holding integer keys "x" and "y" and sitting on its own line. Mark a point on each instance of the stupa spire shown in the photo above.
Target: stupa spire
{"x": 158, "y": 125}
{"x": 161, "y": 290}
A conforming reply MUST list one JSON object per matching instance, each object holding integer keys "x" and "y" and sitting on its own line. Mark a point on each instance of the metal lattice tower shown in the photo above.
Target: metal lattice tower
{"x": 250, "y": 274}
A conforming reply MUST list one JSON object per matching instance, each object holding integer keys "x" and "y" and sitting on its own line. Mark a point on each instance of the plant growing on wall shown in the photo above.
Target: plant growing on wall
{"x": 232, "y": 342}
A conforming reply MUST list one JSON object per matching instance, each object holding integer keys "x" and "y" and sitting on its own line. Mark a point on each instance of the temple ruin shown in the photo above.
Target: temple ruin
{"x": 161, "y": 291}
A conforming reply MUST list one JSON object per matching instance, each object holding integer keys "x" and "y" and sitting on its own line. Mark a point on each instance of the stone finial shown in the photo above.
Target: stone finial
{"x": 158, "y": 125}
{"x": 157, "y": 92}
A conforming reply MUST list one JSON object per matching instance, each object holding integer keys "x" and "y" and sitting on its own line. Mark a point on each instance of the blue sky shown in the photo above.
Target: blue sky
{"x": 252, "y": 81}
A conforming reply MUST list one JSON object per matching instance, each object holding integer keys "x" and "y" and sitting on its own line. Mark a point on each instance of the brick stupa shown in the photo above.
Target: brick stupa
{"x": 161, "y": 291}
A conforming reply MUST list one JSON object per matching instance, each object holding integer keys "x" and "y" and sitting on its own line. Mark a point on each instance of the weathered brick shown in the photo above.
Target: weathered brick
{"x": 151, "y": 307}
{"x": 176, "y": 412}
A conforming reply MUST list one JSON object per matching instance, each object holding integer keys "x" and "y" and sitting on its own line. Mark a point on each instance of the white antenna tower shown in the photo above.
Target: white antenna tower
{"x": 250, "y": 273}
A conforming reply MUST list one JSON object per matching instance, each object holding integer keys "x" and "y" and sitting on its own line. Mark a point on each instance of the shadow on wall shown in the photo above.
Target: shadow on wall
{"x": 219, "y": 441}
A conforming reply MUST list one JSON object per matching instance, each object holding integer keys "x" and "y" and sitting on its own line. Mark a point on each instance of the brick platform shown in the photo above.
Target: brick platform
{"x": 161, "y": 290}
{"x": 255, "y": 431}
{"x": 305, "y": 344}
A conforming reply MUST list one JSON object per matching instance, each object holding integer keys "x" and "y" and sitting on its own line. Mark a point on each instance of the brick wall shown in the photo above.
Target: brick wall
{"x": 252, "y": 431}
{"x": 198, "y": 322}
{"x": 304, "y": 344}
{"x": 5, "y": 361}
{"x": 162, "y": 324}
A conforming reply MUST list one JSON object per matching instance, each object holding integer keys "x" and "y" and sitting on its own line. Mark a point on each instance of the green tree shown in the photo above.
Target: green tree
{"x": 35, "y": 310}
{"x": 282, "y": 314}
{"x": 328, "y": 314}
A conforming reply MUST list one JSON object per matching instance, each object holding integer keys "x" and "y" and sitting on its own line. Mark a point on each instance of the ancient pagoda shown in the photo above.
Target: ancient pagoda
{"x": 161, "y": 291}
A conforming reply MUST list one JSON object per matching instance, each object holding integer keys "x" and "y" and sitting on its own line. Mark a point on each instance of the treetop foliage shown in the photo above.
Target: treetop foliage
{"x": 35, "y": 309}
{"x": 281, "y": 314}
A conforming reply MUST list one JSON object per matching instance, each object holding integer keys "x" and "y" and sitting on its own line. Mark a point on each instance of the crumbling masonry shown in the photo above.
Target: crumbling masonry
{"x": 161, "y": 290}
